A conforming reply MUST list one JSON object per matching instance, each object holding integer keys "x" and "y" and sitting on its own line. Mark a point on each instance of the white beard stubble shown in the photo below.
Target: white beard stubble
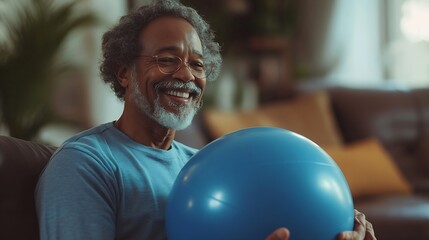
{"x": 178, "y": 121}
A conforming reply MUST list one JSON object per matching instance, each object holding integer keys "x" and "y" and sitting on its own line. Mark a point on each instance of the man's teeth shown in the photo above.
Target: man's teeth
{"x": 178, "y": 94}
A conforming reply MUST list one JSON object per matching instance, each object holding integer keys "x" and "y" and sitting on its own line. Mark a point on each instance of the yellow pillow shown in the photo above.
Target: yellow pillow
{"x": 308, "y": 114}
{"x": 369, "y": 169}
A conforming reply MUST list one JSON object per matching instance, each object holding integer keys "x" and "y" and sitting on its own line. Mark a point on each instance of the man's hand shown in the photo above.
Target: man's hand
{"x": 279, "y": 234}
{"x": 362, "y": 230}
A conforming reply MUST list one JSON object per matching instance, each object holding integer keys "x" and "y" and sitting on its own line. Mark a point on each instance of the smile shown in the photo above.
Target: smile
{"x": 179, "y": 91}
{"x": 178, "y": 94}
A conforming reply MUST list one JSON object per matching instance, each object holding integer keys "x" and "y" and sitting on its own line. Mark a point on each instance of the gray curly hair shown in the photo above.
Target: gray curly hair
{"x": 121, "y": 43}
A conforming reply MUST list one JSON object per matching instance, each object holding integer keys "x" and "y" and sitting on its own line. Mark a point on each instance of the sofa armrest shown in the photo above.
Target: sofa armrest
{"x": 20, "y": 165}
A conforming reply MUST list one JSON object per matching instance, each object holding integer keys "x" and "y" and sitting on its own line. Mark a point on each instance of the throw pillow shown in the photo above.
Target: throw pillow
{"x": 368, "y": 168}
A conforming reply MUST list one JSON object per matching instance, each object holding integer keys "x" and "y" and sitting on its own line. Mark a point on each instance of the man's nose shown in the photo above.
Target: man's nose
{"x": 184, "y": 73}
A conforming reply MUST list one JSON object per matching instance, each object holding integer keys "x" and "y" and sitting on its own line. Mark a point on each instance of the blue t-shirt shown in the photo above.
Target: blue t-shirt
{"x": 100, "y": 184}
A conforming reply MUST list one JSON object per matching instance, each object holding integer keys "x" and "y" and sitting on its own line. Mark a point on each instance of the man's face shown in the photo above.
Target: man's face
{"x": 171, "y": 99}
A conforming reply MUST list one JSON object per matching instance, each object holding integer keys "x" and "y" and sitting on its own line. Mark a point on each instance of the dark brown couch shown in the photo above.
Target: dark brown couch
{"x": 399, "y": 119}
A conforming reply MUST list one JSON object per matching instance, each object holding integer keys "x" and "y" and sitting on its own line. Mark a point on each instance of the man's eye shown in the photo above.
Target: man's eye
{"x": 197, "y": 65}
{"x": 168, "y": 60}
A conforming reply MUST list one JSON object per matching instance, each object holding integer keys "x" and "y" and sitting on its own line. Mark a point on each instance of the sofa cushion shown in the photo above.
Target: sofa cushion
{"x": 397, "y": 217}
{"x": 307, "y": 114}
{"x": 20, "y": 165}
{"x": 369, "y": 170}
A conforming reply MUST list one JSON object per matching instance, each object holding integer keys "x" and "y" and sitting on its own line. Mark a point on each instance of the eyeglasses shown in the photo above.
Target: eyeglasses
{"x": 172, "y": 64}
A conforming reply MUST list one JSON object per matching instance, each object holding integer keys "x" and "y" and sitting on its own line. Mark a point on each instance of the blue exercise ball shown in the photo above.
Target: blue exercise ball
{"x": 248, "y": 183}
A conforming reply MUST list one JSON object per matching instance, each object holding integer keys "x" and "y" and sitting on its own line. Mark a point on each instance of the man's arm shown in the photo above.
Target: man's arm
{"x": 75, "y": 198}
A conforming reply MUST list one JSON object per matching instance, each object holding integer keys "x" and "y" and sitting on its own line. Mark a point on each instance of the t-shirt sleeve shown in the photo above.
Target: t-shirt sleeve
{"x": 75, "y": 197}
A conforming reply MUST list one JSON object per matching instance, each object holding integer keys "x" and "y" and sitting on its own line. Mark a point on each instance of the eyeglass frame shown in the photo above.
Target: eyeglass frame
{"x": 186, "y": 63}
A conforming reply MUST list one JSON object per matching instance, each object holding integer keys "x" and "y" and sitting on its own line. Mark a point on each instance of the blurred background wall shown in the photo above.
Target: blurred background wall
{"x": 269, "y": 48}
{"x": 83, "y": 46}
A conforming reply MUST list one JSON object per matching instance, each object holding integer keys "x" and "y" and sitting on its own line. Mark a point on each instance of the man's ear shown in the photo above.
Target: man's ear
{"x": 124, "y": 76}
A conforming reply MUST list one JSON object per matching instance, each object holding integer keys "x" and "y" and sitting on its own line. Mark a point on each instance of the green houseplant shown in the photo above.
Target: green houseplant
{"x": 29, "y": 66}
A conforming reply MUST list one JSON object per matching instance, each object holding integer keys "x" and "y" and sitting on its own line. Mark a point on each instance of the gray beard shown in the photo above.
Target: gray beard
{"x": 178, "y": 121}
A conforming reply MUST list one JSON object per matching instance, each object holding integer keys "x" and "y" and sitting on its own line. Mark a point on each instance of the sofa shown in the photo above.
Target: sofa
{"x": 392, "y": 126}
{"x": 399, "y": 119}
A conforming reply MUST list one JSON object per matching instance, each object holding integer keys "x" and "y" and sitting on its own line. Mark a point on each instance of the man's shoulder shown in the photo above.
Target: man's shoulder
{"x": 94, "y": 138}
{"x": 86, "y": 150}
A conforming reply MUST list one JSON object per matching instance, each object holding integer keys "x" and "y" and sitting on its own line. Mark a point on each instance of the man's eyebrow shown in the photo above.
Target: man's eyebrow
{"x": 176, "y": 49}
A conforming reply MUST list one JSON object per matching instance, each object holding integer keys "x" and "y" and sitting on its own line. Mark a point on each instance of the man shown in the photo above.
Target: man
{"x": 112, "y": 181}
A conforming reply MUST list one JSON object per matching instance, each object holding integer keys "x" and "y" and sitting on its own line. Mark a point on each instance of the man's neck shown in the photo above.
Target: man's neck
{"x": 146, "y": 131}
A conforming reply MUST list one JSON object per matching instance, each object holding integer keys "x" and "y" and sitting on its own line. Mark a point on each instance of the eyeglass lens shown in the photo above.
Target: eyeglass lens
{"x": 169, "y": 65}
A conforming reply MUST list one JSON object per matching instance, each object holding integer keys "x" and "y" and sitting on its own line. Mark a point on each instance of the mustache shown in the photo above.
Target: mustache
{"x": 178, "y": 85}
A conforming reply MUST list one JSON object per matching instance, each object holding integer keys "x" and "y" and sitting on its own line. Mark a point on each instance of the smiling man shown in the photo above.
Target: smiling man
{"x": 164, "y": 87}
{"x": 112, "y": 181}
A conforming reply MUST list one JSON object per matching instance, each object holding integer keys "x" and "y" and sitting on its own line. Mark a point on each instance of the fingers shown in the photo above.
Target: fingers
{"x": 363, "y": 229}
{"x": 369, "y": 234}
{"x": 279, "y": 234}
{"x": 360, "y": 223}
